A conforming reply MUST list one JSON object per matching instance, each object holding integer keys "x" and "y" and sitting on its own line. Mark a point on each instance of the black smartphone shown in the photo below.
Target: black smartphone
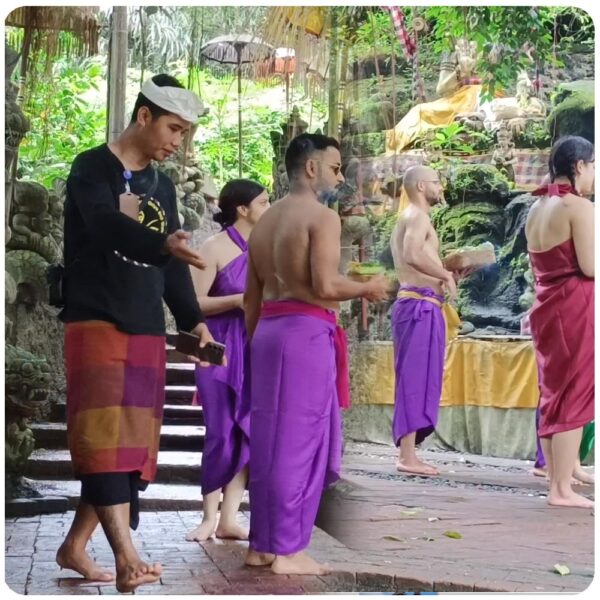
{"x": 188, "y": 343}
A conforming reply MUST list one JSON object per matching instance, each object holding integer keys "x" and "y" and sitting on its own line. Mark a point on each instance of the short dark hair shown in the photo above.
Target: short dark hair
{"x": 237, "y": 192}
{"x": 302, "y": 147}
{"x": 565, "y": 154}
{"x": 161, "y": 80}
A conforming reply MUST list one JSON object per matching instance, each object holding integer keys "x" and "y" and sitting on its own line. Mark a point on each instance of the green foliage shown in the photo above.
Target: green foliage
{"x": 375, "y": 35}
{"x": 64, "y": 121}
{"x": 574, "y": 115}
{"x": 535, "y": 135}
{"x": 219, "y": 149}
{"x": 501, "y": 29}
{"x": 455, "y": 138}
{"x": 217, "y": 136}
{"x": 469, "y": 181}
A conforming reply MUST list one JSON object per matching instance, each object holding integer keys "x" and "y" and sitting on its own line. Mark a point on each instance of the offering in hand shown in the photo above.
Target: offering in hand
{"x": 470, "y": 257}
{"x": 364, "y": 271}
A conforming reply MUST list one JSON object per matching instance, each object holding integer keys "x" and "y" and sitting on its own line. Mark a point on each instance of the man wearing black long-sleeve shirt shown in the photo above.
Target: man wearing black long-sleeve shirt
{"x": 124, "y": 253}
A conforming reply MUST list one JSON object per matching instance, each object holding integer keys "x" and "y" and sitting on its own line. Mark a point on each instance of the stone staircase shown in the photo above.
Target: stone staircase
{"x": 181, "y": 442}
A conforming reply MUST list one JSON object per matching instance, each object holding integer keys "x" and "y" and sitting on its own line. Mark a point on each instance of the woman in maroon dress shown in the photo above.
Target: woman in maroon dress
{"x": 560, "y": 240}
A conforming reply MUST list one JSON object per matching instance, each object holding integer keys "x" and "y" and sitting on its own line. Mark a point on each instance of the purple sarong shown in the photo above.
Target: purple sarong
{"x": 296, "y": 442}
{"x": 225, "y": 407}
{"x": 419, "y": 333}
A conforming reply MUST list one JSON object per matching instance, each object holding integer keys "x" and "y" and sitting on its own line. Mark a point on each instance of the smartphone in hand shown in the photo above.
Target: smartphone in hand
{"x": 188, "y": 343}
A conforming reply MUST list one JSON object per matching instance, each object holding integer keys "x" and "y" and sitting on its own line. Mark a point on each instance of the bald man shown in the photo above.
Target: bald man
{"x": 418, "y": 325}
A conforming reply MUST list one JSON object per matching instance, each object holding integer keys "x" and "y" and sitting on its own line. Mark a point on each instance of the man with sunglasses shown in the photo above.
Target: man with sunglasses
{"x": 298, "y": 377}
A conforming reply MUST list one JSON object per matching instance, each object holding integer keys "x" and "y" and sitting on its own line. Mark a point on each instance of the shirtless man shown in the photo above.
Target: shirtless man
{"x": 292, "y": 293}
{"x": 418, "y": 325}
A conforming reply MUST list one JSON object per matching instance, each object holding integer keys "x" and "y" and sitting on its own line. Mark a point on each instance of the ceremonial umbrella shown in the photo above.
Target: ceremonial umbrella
{"x": 237, "y": 50}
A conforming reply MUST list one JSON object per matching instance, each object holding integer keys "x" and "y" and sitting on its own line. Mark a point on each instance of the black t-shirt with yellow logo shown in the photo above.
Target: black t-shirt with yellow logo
{"x": 115, "y": 267}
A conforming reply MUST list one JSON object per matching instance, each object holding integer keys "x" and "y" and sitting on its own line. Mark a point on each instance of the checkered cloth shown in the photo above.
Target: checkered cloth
{"x": 410, "y": 48}
{"x": 530, "y": 169}
{"x": 408, "y": 44}
{"x": 115, "y": 398}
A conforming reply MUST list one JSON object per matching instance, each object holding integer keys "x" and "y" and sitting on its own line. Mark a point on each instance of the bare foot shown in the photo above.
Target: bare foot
{"x": 582, "y": 476}
{"x": 233, "y": 531}
{"x": 82, "y": 563}
{"x": 569, "y": 499}
{"x": 416, "y": 467}
{"x": 258, "y": 559}
{"x": 540, "y": 472}
{"x": 298, "y": 564}
{"x": 202, "y": 532}
{"x": 131, "y": 576}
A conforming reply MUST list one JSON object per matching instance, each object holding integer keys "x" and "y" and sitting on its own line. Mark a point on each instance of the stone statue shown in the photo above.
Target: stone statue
{"x": 56, "y": 204}
{"x": 16, "y": 126}
{"x": 31, "y": 222}
{"x": 504, "y": 156}
{"x": 457, "y": 68}
{"x": 27, "y": 388}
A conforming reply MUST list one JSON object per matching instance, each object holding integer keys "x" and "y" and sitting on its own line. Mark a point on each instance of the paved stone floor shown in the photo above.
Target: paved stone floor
{"x": 214, "y": 567}
{"x": 389, "y": 536}
{"x": 510, "y": 538}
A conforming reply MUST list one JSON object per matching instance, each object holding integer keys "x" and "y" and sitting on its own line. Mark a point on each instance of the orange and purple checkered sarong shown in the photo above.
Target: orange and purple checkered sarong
{"x": 115, "y": 398}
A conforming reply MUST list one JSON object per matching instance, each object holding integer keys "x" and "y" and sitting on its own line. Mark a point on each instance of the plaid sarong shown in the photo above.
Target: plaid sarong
{"x": 115, "y": 398}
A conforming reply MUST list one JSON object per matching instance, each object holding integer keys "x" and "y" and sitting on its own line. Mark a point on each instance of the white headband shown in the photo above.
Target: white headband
{"x": 183, "y": 103}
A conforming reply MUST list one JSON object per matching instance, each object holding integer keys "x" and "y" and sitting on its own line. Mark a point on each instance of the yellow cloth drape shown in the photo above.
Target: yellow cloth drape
{"x": 496, "y": 373}
{"x": 452, "y": 321}
{"x": 490, "y": 373}
{"x": 422, "y": 117}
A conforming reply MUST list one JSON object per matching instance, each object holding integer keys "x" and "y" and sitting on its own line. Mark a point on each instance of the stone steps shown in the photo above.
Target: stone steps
{"x": 174, "y": 414}
{"x": 177, "y": 484}
{"x": 180, "y": 373}
{"x": 174, "y": 466}
{"x": 53, "y": 436}
{"x": 158, "y": 496}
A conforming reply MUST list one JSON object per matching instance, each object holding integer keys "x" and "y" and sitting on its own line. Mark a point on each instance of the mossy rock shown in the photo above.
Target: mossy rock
{"x": 477, "y": 183}
{"x": 574, "y": 110}
{"x": 468, "y": 225}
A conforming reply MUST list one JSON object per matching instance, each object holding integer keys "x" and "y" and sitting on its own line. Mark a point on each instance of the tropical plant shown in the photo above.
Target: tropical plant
{"x": 64, "y": 118}
{"x": 508, "y": 38}
{"x": 455, "y": 138}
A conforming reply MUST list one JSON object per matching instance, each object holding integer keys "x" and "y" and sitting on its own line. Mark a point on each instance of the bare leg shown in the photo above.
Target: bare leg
{"x": 298, "y": 564}
{"x": 581, "y": 475}
{"x": 408, "y": 461}
{"x": 210, "y": 506}
{"x": 232, "y": 497}
{"x": 131, "y": 570}
{"x": 565, "y": 447}
{"x": 258, "y": 559}
{"x": 72, "y": 554}
{"x": 547, "y": 450}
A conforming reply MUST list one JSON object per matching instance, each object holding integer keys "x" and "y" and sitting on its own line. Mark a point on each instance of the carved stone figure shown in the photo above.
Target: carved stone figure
{"x": 16, "y": 126}
{"x": 27, "y": 389}
{"x": 504, "y": 156}
{"x": 31, "y": 223}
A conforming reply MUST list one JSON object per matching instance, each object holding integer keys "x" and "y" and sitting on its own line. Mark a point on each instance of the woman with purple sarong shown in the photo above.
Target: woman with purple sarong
{"x": 220, "y": 290}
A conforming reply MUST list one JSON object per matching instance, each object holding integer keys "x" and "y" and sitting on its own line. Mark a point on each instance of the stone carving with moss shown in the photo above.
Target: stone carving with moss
{"x": 27, "y": 388}
{"x": 31, "y": 222}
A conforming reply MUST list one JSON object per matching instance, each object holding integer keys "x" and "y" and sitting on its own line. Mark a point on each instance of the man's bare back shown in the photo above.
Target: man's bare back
{"x": 281, "y": 249}
{"x": 414, "y": 218}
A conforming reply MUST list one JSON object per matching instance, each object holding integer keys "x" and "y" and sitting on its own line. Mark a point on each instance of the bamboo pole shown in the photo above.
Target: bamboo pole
{"x": 117, "y": 73}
